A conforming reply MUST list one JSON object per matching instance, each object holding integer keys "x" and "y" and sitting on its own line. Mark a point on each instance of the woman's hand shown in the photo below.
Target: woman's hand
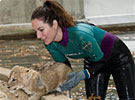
{"x": 74, "y": 79}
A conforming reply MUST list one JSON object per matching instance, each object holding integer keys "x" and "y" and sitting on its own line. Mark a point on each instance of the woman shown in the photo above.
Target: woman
{"x": 104, "y": 53}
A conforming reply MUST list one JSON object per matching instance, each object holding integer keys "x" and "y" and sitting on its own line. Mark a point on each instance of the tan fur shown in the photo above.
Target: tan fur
{"x": 38, "y": 83}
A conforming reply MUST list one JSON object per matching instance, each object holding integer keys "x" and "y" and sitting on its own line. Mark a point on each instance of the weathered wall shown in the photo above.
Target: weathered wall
{"x": 98, "y": 12}
{"x": 110, "y": 11}
{"x": 16, "y": 11}
{"x": 74, "y": 7}
{"x": 19, "y": 11}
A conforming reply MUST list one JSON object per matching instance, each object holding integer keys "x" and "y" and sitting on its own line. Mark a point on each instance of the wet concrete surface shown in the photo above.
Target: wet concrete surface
{"x": 23, "y": 52}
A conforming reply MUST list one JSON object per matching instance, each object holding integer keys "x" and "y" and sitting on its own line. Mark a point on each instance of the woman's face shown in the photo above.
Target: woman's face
{"x": 44, "y": 31}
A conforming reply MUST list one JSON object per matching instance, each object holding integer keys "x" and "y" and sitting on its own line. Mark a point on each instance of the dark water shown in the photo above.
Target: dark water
{"x": 31, "y": 53}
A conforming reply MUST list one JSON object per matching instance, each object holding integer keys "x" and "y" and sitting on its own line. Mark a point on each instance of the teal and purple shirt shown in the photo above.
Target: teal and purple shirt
{"x": 82, "y": 41}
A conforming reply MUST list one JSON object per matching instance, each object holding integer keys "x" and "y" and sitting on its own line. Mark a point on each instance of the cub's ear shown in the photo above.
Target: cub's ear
{"x": 28, "y": 76}
{"x": 40, "y": 83}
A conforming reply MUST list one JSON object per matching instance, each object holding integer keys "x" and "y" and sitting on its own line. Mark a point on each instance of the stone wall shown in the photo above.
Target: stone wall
{"x": 16, "y": 11}
{"x": 19, "y": 11}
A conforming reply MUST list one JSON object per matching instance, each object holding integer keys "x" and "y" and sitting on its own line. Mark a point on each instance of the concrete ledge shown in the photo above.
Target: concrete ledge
{"x": 16, "y": 31}
{"x": 53, "y": 97}
{"x": 4, "y": 74}
{"x": 119, "y": 27}
{"x": 9, "y": 29}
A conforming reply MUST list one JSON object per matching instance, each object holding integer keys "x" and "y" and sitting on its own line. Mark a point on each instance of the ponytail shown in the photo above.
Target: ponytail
{"x": 52, "y": 10}
{"x": 46, "y": 4}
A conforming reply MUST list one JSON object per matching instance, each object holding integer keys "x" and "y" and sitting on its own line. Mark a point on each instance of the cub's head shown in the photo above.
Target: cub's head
{"x": 19, "y": 78}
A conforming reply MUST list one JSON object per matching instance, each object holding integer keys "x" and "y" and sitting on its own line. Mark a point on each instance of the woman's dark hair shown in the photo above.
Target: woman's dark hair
{"x": 52, "y": 10}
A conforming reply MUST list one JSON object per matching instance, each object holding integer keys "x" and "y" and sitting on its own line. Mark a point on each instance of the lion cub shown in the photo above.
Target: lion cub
{"x": 38, "y": 83}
